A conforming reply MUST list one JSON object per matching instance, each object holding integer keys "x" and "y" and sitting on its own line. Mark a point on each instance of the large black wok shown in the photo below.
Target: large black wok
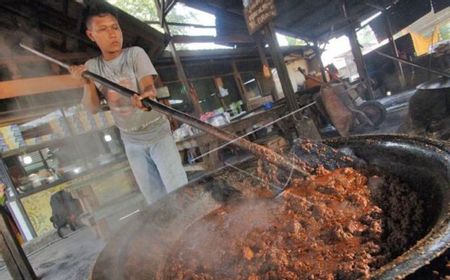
{"x": 429, "y": 109}
{"x": 139, "y": 250}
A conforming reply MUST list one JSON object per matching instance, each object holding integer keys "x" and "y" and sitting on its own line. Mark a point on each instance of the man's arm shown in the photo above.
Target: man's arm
{"x": 90, "y": 99}
{"x": 147, "y": 86}
{"x": 144, "y": 70}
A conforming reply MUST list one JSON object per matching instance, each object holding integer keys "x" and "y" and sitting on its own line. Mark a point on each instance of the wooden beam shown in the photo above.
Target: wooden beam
{"x": 293, "y": 15}
{"x": 169, "y": 7}
{"x": 181, "y": 24}
{"x": 218, "y": 82}
{"x": 11, "y": 250}
{"x": 218, "y": 54}
{"x": 177, "y": 39}
{"x": 62, "y": 29}
{"x": 190, "y": 90}
{"x": 214, "y": 8}
{"x": 24, "y": 87}
{"x": 356, "y": 49}
{"x": 8, "y": 259}
{"x": 33, "y": 58}
{"x": 390, "y": 34}
{"x": 262, "y": 55}
{"x": 319, "y": 52}
{"x": 191, "y": 25}
{"x": 25, "y": 115}
{"x": 240, "y": 85}
{"x": 212, "y": 39}
{"x": 43, "y": 129}
{"x": 340, "y": 24}
{"x": 278, "y": 60}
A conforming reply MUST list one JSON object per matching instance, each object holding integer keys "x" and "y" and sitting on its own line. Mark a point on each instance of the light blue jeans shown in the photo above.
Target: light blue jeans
{"x": 156, "y": 166}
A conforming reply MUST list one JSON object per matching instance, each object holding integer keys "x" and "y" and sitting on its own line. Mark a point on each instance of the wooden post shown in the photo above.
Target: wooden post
{"x": 174, "y": 124}
{"x": 219, "y": 84}
{"x": 283, "y": 74}
{"x": 240, "y": 85}
{"x": 356, "y": 51}
{"x": 16, "y": 261}
{"x": 262, "y": 56}
{"x": 180, "y": 71}
{"x": 184, "y": 81}
{"x": 359, "y": 61}
{"x": 303, "y": 126}
{"x": 390, "y": 33}
{"x": 398, "y": 64}
{"x": 264, "y": 63}
{"x": 322, "y": 68}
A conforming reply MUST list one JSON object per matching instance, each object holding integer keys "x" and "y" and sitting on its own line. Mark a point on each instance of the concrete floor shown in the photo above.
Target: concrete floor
{"x": 397, "y": 112}
{"x": 393, "y": 121}
{"x": 71, "y": 258}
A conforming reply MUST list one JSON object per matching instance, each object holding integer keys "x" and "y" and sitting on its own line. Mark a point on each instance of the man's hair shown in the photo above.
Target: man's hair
{"x": 97, "y": 13}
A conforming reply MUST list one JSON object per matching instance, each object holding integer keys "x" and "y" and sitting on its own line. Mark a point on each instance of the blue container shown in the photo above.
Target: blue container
{"x": 268, "y": 105}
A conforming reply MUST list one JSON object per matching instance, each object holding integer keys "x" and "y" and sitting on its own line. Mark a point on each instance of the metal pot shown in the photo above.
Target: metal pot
{"x": 139, "y": 250}
{"x": 429, "y": 109}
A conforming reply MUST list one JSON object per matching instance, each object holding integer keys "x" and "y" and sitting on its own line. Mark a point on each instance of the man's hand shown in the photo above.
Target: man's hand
{"x": 76, "y": 71}
{"x": 136, "y": 99}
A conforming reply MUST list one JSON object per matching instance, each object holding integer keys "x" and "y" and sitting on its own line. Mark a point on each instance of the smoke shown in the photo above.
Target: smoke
{"x": 207, "y": 240}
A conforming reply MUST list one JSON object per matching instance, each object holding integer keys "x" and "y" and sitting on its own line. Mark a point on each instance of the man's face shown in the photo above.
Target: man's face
{"x": 106, "y": 33}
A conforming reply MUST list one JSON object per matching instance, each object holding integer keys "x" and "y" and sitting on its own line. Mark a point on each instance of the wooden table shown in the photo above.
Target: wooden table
{"x": 206, "y": 142}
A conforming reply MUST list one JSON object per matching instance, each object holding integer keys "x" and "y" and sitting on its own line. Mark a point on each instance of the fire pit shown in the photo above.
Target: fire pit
{"x": 143, "y": 248}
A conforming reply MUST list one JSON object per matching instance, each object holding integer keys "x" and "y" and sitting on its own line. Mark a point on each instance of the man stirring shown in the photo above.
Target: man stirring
{"x": 149, "y": 145}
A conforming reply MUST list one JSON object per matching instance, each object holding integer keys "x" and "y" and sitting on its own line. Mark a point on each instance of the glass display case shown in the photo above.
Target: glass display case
{"x": 37, "y": 167}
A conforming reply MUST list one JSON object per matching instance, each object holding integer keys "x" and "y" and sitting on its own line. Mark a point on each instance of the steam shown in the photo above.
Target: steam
{"x": 217, "y": 229}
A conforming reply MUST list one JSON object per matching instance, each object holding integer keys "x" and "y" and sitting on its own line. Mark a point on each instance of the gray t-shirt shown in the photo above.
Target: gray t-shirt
{"x": 127, "y": 69}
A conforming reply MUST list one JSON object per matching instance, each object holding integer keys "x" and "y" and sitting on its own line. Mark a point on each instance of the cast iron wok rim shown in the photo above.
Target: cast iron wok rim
{"x": 437, "y": 240}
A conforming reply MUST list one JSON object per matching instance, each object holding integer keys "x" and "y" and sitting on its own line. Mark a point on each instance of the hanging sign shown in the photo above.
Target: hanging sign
{"x": 258, "y": 13}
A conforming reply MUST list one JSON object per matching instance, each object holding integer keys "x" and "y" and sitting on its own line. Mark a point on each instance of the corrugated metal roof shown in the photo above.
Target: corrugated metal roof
{"x": 307, "y": 19}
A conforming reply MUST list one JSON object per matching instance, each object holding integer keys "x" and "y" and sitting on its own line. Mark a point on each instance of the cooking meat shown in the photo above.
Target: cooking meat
{"x": 329, "y": 226}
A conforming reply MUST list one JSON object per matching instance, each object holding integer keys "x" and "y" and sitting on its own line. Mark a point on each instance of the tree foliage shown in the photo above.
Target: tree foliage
{"x": 295, "y": 41}
{"x": 145, "y": 10}
{"x": 366, "y": 37}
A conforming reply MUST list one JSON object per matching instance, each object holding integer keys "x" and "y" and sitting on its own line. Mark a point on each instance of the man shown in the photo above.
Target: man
{"x": 149, "y": 145}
